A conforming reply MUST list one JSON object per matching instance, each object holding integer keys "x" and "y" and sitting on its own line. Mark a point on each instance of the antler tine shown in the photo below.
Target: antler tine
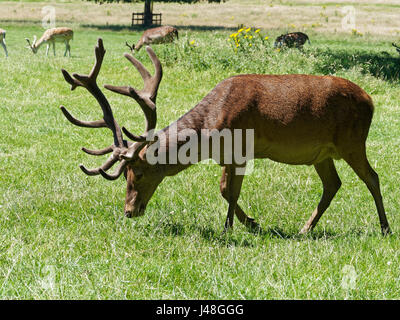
{"x": 105, "y": 150}
{"x": 80, "y": 123}
{"x": 107, "y": 165}
{"x": 132, "y": 136}
{"x": 139, "y": 66}
{"x": 156, "y": 79}
{"x": 98, "y": 152}
{"x": 151, "y": 83}
{"x": 146, "y": 97}
{"x": 89, "y": 82}
{"x": 117, "y": 172}
{"x": 99, "y": 53}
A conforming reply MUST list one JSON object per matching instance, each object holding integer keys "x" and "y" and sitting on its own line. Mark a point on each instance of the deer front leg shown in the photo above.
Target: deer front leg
{"x": 331, "y": 184}
{"x": 69, "y": 50}
{"x": 240, "y": 214}
{"x": 234, "y": 183}
{"x": 47, "y": 49}
{"x": 3, "y": 44}
{"x": 224, "y": 187}
{"x": 54, "y": 48}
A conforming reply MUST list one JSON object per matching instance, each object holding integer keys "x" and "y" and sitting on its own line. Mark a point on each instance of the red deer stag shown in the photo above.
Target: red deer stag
{"x": 297, "y": 119}
{"x": 162, "y": 34}
{"x": 51, "y": 36}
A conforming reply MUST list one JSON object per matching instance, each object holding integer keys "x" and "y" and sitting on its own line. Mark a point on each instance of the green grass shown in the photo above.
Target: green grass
{"x": 62, "y": 227}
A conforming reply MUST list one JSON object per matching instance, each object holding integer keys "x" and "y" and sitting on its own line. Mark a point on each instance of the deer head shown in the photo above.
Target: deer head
{"x": 142, "y": 178}
{"x": 33, "y": 46}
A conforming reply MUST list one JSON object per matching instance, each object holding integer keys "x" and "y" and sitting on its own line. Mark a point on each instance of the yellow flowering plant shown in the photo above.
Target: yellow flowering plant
{"x": 247, "y": 39}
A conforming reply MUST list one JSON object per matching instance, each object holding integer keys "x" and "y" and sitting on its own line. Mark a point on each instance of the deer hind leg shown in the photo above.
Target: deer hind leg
{"x": 69, "y": 50}
{"x": 224, "y": 187}
{"x": 47, "y": 49}
{"x": 54, "y": 48}
{"x": 359, "y": 163}
{"x": 331, "y": 184}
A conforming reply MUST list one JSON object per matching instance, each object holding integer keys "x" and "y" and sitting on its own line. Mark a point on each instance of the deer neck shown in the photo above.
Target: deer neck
{"x": 174, "y": 141}
{"x": 138, "y": 45}
{"x": 38, "y": 43}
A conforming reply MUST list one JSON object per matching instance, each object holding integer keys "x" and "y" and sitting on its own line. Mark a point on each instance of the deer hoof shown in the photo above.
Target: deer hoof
{"x": 386, "y": 231}
{"x": 306, "y": 229}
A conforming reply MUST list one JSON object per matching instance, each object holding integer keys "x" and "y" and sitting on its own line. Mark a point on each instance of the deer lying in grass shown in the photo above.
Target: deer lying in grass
{"x": 51, "y": 36}
{"x": 290, "y": 40}
{"x": 297, "y": 119}
{"x": 3, "y": 40}
{"x": 164, "y": 34}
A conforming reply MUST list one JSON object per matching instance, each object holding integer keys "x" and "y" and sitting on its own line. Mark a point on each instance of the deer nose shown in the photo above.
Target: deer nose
{"x": 128, "y": 211}
{"x": 128, "y": 214}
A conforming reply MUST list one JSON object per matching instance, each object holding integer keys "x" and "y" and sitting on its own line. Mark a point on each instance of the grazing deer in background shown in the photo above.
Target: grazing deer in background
{"x": 51, "y": 36}
{"x": 3, "y": 40}
{"x": 297, "y": 119}
{"x": 164, "y": 34}
{"x": 290, "y": 40}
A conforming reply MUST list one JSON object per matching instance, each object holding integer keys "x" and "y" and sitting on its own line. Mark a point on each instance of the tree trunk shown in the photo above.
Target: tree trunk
{"x": 148, "y": 13}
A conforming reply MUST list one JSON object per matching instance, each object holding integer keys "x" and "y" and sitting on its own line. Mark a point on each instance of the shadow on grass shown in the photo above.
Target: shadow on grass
{"x": 231, "y": 238}
{"x": 380, "y": 64}
{"x": 113, "y": 27}
{"x": 120, "y": 27}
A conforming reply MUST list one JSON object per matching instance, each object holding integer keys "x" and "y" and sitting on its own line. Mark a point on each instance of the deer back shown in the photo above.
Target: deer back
{"x": 293, "y": 116}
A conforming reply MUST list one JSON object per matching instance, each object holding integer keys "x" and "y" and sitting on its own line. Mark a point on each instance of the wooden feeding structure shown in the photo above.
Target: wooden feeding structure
{"x": 146, "y": 18}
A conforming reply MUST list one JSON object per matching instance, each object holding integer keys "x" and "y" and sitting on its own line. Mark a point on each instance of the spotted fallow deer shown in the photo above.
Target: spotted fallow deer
{"x": 297, "y": 119}
{"x": 3, "y": 40}
{"x": 51, "y": 36}
{"x": 164, "y": 34}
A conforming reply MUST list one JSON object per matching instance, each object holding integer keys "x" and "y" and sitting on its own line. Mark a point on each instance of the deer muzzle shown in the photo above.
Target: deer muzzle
{"x": 134, "y": 210}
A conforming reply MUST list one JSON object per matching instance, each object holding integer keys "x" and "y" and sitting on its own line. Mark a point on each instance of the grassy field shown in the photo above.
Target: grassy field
{"x": 64, "y": 235}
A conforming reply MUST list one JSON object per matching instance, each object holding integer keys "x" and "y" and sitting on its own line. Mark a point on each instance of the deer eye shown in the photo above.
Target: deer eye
{"x": 138, "y": 176}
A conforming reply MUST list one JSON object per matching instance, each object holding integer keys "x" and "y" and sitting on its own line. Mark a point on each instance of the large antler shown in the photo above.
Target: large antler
{"x": 146, "y": 98}
{"x": 108, "y": 121}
